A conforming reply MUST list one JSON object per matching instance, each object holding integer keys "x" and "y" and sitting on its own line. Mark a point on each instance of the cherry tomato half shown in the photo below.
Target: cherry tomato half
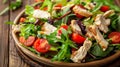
{"x": 22, "y": 19}
{"x": 78, "y": 38}
{"x": 58, "y": 6}
{"x": 41, "y": 45}
{"x": 64, "y": 27}
{"x": 115, "y": 36}
{"x": 28, "y": 42}
{"x": 104, "y": 8}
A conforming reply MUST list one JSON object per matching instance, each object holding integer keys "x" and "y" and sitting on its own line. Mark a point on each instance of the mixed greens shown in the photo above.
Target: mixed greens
{"x": 71, "y": 31}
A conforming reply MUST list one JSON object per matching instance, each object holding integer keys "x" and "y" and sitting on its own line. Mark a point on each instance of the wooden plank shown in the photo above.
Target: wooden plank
{"x": 14, "y": 58}
{"x": 4, "y": 29}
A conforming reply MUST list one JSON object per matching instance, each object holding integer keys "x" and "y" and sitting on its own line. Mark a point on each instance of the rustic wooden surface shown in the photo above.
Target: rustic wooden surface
{"x": 8, "y": 54}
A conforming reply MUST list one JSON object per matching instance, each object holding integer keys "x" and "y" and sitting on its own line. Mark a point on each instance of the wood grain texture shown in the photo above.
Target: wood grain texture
{"x": 4, "y": 29}
{"x": 14, "y": 59}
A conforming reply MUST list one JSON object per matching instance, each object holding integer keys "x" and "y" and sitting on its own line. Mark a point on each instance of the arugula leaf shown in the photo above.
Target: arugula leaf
{"x": 63, "y": 54}
{"x": 29, "y": 30}
{"x": 97, "y": 7}
{"x": 47, "y": 3}
{"x": 110, "y": 3}
{"x": 115, "y": 22}
{"x": 66, "y": 43}
{"x": 29, "y": 10}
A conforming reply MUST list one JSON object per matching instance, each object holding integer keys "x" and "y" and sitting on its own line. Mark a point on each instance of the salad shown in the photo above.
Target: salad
{"x": 75, "y": 31}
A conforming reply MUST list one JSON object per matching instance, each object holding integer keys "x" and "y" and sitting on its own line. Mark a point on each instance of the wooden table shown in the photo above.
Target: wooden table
{"x": 8, "y": 54}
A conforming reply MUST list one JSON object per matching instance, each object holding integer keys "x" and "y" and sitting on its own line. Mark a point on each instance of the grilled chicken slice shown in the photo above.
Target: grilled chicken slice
{"x": 88, "y": 34}
{"x": 16, "y": 28}
{"x": 81, "y": 11}
{"x": 102, "y": 23}
{"x": 98, "y": 36}
{"x": 75, "y": 27}
{"x": 80, "y": 54}
{"x": 41, "y": 14}
{"x": 91, "y": 5}
{"x": 108, "y": 13}
{"x": 48, "y": 28}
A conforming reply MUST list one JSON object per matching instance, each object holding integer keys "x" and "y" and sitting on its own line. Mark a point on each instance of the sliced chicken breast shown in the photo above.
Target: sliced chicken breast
{"x": 102, "y": 23}
{"x": 75, "y": 27}
{"x": 98, "y": 36}
{"x": 81, "y": 11}
{"x": 48, "y": 28}
{"x": 41, "y": 14}
{"x": 108, "y": 13}
{"x": 80, "y": 54}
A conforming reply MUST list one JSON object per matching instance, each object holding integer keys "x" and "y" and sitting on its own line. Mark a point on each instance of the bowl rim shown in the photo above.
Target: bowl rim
{"x": 56, "y": 63}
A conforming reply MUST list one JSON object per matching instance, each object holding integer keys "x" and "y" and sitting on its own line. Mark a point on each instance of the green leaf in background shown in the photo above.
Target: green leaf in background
{"x": 13, "y": 6}
{"x": 4, "y": 1}
{"x": 4, "y": 11}
{"x": 9, "y": 22}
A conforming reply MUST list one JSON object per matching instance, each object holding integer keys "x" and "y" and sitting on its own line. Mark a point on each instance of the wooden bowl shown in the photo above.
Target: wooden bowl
{"x": 56, "y": 63}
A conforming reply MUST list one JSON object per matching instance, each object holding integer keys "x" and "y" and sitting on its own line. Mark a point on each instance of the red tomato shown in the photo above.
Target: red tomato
{"x": 28, "y": 42}
{"x": 115, "y": 36}
{"x": 79, "y": 16}
{"x": 22, "y": 19}
{"x": 39, "y": 0}
{"x": 64, "y": 27}
{"x": 58, "y": 6}
{"x": 78, "y": 38}
{"x": 41, "y": 45}
{"x": 104, "y": 8}
{"x": 37, "y": 7}
{"x": 45, "y": 8}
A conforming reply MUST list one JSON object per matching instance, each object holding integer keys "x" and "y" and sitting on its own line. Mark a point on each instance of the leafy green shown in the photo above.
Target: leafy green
{"x": 29, "y": 10}
{"x": 97, "y": 7}
{"x": 29, "y": 30}
{"x": 97, "y": 51}
{"x": 47, "y": 3}
{"x": 66, "y": 43}
{"x": 115, "y": 22}
{"x": 30, "y": 19}
{"x": 110, "y": 3}
{"x": 116, "y": 46}
{"x": 13, "y": 6}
